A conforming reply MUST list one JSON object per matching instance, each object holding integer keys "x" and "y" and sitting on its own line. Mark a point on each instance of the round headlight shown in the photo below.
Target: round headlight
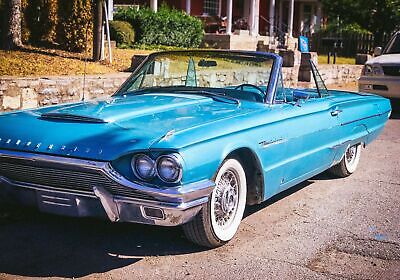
{"x": 169, "y": 168}
{"x": 143, "y": 167}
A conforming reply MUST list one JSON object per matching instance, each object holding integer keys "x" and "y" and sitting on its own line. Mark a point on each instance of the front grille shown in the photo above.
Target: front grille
{"x": 391, "y": 70}
{"x": 63, "y": 179}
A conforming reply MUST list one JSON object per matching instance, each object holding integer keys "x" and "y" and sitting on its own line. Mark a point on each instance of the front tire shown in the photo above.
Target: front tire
{"x": 219, "y": 219}
{"x": 349, "y": 162}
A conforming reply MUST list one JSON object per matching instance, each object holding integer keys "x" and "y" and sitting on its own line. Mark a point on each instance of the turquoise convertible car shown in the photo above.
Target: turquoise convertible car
{"x": 190, "y": 139}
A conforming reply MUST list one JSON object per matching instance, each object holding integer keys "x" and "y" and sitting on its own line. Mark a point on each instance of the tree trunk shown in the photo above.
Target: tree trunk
{"x": 12, "y": 31}
{"x": 97, "y": 29}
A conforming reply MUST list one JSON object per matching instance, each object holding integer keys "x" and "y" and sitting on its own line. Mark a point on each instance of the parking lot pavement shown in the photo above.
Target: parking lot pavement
{"x": 324, "y": 228}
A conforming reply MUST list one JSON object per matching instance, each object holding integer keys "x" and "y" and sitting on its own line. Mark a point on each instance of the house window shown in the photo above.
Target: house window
{"x": 211, "y": 7}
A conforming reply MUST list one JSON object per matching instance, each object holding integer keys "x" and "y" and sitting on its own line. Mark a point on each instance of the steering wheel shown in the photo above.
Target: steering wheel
{"x": 242, "y": 86}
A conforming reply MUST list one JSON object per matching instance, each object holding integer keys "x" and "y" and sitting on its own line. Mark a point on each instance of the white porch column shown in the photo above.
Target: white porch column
{"x": 153, "y": 5}
{"x": 254, "y": 17}
{"x": 110, "y": 9}
{"x": 229, "y": 6}
{"x": 291, "y": 16}
{"x": 188, "y": 6}
{"x": 271, "y": 17}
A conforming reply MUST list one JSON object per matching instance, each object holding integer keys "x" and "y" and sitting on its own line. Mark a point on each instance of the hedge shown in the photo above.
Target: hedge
{"x": 168, "y": 27}
{"x": 122, "y": 32}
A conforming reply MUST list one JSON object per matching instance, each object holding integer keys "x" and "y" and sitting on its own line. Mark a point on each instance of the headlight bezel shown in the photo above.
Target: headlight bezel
{"x": 155, "y": 160}
{"x": 134, "y": 167}
{"x": 177, "y": 159}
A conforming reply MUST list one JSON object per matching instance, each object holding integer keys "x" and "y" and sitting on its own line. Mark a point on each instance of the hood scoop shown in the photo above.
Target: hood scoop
{"x": 71, "y": 118}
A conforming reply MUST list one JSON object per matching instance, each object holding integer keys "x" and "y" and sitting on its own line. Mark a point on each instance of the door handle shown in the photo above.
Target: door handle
{"x": 336, "y": 112}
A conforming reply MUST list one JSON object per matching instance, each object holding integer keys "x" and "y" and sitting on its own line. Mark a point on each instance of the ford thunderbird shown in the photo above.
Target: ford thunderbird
{"x": 191, "y": 139}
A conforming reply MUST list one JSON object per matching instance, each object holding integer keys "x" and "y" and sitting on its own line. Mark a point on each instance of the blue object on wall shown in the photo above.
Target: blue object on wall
{"x": 303, "y": 44}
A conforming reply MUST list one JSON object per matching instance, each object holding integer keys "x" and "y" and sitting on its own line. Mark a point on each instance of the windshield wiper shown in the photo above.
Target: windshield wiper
{"x": 185, "y": 90}
{"x": 215, "y": 96}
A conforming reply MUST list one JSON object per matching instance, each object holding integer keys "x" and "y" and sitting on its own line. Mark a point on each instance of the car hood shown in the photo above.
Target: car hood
{"x": 385, "y": 59}
{"x": 107, "y": 129}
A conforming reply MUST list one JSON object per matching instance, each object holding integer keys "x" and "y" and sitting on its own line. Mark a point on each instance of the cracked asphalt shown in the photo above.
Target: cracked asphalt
{"x": 324, "y": 228}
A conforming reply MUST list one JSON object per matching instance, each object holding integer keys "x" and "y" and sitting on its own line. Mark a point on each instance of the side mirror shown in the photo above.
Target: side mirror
{"x": 377, "y": 51}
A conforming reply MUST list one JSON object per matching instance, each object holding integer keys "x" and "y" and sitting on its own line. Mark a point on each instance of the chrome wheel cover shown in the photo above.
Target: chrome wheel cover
{"x": 350, "y": 155}
{"x": 226, "y": 198}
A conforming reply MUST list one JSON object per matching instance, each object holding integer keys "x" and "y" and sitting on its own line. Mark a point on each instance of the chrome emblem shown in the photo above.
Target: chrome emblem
{"x": 50, "y": 147}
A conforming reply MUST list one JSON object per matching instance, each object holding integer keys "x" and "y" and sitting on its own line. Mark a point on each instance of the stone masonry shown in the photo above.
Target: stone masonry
{"x": 25, "y": 93}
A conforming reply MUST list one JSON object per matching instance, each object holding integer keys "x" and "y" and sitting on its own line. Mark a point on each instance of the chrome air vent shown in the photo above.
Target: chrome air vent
{"x": 71, "y": 117}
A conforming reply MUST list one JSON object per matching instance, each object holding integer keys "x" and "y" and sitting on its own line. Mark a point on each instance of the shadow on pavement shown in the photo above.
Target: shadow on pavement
{"x": 39, "y": 245}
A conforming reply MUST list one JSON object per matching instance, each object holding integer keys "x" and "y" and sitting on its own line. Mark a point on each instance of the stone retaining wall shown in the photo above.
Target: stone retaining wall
{"x": 24, "y": 93}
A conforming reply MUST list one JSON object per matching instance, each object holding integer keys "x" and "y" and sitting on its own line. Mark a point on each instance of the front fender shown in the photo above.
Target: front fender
{"x": 203, "y": 159}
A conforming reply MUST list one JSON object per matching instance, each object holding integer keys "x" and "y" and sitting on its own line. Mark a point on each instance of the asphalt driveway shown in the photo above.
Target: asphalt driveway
{"x": 324, "y": 228}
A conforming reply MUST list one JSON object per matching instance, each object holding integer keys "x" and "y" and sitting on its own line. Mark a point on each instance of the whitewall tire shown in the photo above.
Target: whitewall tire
{"x": 349, "y": 162}
{"x": 219, "y": 219}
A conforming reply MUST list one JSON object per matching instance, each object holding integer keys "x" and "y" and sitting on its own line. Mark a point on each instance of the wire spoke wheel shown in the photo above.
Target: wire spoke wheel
{"x": 349, "y": 162}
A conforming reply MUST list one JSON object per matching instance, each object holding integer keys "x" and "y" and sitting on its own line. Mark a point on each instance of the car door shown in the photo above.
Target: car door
{"x": 310, "y": 139}
{"x": 310, "y": 125}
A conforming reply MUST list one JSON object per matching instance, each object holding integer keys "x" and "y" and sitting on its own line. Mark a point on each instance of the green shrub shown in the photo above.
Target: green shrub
{"x": 168, "y": 27}
{"x": 122, "y": 32}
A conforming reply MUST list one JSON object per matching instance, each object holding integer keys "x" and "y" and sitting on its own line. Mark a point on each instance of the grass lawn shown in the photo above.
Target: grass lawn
{"x": 323, "y": 59}
{"x": 32, "y": 61}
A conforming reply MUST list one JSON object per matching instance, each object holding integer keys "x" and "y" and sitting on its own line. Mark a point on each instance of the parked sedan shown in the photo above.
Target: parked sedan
{"x": 191, "y": 139}
{"x": 381, "y": 75}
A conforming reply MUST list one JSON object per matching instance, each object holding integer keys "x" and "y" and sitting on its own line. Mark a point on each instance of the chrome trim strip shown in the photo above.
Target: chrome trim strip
{"x": 57, "y": 204}
{"x": 360, "y": 119}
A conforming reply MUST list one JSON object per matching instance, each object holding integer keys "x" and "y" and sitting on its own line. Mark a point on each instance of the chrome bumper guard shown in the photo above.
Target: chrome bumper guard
{"x": 172, "y": 206}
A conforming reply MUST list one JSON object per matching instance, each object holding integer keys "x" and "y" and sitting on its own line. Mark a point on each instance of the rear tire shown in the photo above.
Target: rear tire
{"x": 219, "y": 219}
{"x": 349, "y": 162}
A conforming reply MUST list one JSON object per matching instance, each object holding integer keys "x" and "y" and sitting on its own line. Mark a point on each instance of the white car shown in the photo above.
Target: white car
{"x": 381, "y": 75}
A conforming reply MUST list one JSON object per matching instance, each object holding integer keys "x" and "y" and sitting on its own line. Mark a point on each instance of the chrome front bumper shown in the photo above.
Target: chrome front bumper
{"x": 170, "y": 207}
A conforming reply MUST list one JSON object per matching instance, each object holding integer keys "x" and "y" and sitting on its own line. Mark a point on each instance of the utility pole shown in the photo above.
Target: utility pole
{"x": 97, "y": 29}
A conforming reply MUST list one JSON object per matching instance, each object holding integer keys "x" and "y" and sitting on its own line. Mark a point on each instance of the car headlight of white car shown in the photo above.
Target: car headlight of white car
{"x": 372, "y": 70}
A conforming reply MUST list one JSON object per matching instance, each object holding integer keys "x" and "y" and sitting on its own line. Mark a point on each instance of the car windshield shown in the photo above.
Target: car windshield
{"x": 217, "y": 74}
{"x": 394, "y": 45}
